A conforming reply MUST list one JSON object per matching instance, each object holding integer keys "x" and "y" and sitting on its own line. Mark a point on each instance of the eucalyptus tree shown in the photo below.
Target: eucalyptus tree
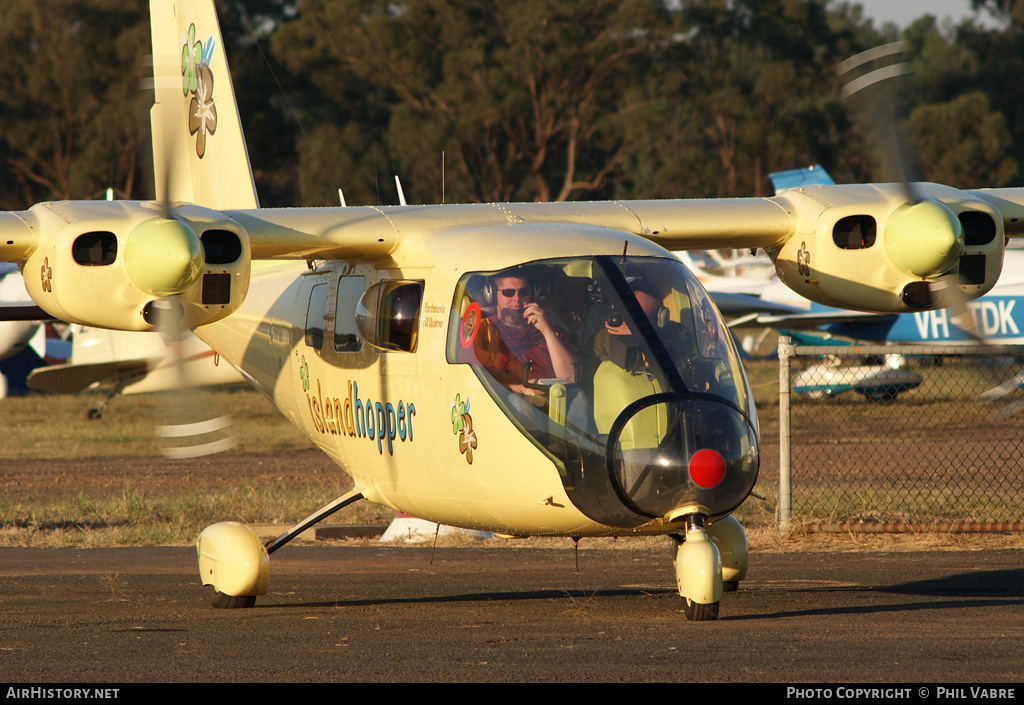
{"x": 73, "y": 119}
{"x": 496, "y": 99}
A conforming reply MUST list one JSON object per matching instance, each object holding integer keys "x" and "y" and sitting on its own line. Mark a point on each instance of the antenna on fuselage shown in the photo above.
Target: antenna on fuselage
{"x": 341, "y": 197}
{"x": 401, "y": 193}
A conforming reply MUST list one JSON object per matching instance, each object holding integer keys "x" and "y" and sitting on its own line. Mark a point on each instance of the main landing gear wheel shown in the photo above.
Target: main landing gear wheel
{"x": 229, "y": 602}
{"x": 696, "y": 612}
{"x": 232, "y": 556}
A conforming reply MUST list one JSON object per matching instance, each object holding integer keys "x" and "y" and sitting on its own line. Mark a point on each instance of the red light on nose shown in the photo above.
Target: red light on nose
{"x": 707, "y": 468}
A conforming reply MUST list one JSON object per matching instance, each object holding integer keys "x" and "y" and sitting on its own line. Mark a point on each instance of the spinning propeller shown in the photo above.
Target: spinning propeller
{"x": 165, "y": 257}
{"x": 923, "y": 237}
{"x": 871, "y": 88}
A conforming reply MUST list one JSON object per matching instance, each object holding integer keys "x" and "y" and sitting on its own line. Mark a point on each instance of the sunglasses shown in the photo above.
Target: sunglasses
{"x": 524, "y": 293}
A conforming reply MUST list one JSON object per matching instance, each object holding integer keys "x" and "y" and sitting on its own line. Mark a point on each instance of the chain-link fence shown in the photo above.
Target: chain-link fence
{"x": 885, "y": 438}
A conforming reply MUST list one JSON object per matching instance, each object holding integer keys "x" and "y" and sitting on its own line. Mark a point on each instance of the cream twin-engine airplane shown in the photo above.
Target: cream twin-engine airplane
{"x": 524, "y": 368}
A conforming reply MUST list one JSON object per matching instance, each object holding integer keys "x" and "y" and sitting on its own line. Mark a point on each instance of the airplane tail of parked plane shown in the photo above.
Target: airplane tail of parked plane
{"x": 795, "y": 178}
{"x": 199, "y": 151}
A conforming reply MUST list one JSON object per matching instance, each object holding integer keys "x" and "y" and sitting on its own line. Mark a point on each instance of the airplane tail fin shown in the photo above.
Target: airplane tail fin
{"x": 199, "y": 152}
{"x": 806, "y": 176}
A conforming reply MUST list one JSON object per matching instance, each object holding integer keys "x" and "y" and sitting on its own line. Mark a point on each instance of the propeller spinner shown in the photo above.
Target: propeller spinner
{"x": 163, "y": 256}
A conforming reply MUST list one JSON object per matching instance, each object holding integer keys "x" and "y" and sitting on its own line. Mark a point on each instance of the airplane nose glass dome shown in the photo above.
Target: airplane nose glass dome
{"x": 620, "y": 370}
{"x": 667, "y": 451}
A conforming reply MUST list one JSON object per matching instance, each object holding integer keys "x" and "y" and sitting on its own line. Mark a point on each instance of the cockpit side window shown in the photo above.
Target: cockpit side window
{"x": 346, "y": 335}
{"x": 315, "y": 316}
{"x": 646, "y": 315}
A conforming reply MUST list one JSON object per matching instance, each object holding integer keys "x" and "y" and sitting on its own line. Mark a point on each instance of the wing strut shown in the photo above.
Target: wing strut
{"x": 314, "y": 518}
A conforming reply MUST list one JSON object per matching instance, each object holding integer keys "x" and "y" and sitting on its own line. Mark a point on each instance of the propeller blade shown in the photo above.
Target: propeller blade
{"x": 190, "y": 431}
{"x": 947, "y": 294}
{"x": 872, "y": 84}
{"x": 168, "y": 258}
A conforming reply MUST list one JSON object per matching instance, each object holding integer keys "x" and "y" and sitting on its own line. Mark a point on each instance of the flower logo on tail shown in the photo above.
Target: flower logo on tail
{"x": 197, "y": 79}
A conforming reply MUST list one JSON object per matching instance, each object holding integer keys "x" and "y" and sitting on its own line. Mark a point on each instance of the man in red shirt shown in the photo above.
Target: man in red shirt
{"x": 520, "y": 333}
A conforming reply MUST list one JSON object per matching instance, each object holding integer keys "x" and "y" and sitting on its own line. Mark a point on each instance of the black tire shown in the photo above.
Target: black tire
{"x": 696, "y": 612}
{"x": 95, "y": 414}
{"x": 230, "y": 602}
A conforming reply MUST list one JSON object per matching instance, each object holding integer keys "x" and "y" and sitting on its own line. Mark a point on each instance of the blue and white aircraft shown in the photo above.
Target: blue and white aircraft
{"x": 994, "y": 319}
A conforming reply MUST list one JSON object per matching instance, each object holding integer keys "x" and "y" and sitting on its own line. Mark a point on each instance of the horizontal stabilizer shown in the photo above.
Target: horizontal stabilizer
{"x": 71, "y": 378}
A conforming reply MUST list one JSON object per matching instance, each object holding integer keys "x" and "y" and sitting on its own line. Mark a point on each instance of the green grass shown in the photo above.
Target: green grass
{"x": 135, "y": 516}
{"x": 140, "y": 512}
{"x": 45, "y": 426}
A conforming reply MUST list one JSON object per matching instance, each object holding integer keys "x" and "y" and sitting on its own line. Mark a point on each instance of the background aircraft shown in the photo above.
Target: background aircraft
{"x": 132, "y": 363}
{"x": 26, "y": 342}
{"x": 994, "y": 319}
{"x": 377, "y": 330}
{"x": 750, "y": 291}
{"x": 80, "y": 358}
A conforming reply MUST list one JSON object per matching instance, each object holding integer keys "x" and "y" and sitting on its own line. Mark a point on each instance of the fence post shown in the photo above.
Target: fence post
{"x": 785, "y": 486}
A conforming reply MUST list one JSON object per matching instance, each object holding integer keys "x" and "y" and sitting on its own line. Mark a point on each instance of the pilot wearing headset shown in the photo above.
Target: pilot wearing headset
{"x": 520, "y": 335}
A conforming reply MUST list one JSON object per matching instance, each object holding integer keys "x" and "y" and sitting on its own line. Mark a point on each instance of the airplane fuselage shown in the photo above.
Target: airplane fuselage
{"x": 395, "y": 420}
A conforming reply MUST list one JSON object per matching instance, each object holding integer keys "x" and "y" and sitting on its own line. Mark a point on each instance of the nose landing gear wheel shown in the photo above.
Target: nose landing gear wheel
{"x": 698, "y": 564}
{"x": 696, "y": 612}
{"x": 229, "y": 602}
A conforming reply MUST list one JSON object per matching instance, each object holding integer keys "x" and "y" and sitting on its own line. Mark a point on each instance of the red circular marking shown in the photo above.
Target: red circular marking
{"x": 470, "y": 325}
{"x": 707, "y": 468}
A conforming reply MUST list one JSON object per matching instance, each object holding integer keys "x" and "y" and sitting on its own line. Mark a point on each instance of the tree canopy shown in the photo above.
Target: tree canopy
{"x": 492, "y": 100}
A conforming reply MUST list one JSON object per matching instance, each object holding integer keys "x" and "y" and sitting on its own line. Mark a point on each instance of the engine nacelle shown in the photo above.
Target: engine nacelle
{"x": 865, "y": 247}
{"x": 122, "y": 264}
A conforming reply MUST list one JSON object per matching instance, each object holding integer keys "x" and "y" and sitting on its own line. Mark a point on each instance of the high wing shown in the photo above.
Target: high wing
{"x": 70, "y": 250}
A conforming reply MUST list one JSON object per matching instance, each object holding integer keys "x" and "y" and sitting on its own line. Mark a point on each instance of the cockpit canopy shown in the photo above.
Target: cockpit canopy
{"x": 620, "y": 370}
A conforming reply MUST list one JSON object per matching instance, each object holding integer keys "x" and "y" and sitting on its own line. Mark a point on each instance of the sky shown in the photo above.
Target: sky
{"x": 903, "y": 12}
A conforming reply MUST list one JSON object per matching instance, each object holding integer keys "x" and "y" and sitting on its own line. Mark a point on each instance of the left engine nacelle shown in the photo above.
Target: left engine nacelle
{"x": 122, "y": 264}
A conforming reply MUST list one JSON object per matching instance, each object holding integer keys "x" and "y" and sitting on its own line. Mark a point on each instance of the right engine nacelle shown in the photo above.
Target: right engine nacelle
{"x": 123, "y": 264}
{"x": 866, "y": 247}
